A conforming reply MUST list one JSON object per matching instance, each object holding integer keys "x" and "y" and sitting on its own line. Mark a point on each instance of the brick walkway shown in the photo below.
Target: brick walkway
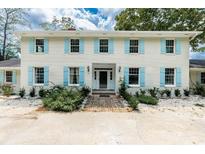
{"x": 105, "y": 103}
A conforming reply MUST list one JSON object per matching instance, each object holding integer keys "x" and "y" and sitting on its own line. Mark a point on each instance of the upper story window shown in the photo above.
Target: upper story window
{"x": 104, "y": 45}
{"x": 8, "y": 76}
{"x": 169, "y": 76}
{"x": 74, "y": 75}
{"x": 75, "y": 45}
{"x": 169, "y": 46}
{"x": 133, "y": 76}
{"x": 39, "y": 45}
{"x": 133, "y": 46}
{"x": 202, "y": 77}
{"x": 39, "y": 75}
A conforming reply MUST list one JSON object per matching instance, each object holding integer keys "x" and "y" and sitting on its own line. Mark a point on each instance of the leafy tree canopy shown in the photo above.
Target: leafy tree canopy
{"x": 156, "y": 19}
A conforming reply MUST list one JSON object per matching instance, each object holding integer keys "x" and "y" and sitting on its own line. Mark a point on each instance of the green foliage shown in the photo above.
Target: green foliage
{"x": 200, "y": 105}
{"x": 133, "y": 102}
{"x": 85, "y": 91}
{"x": 142, "y": 92}
{"x": 199, "y": 89}
{"x": 7, "y": 89}
{"x": 177, "y": 92}
{"x": 32, "y": 92}
{"x": 147, "y": 100}
{"x": 42, "y": 92}
{"x": 167, "y": 92}
{"x": 137, "y": 94}
{"x": 153, "y": 92}
{"x": 162, "y": 92}
{"x": 157, "y": 19}
{"x": 22, "y": 92}
{"x": 186, "y": 92}
{"x": 62, "y": 99}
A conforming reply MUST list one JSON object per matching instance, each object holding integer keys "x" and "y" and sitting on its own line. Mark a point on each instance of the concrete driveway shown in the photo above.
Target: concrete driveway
{"x": 24, "y": 125}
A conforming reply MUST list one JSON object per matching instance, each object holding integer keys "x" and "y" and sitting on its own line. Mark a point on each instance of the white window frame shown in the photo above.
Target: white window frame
{"x": 70, "y": 84}
{"x": 170, "y": 85}
{"x": 137, "y": 46}
{"x": 6, "y": 77}
{"x": 135, "y": 85}
{"x": 34, "y": 77}
{"x": 201, "y": 77}
{"x": 75, "y": 45}
{"x": 173, "y": 48}
{"x": 36, "y": 46}
{"x": 104, "y": 45}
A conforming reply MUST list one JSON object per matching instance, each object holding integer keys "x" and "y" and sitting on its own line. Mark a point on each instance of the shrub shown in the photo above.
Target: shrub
{"x": 133, "y": 102}
{"x": 32, "y": 92}
{"x": 122, "y": 89}
{"x": 85, "y": 91}
{"x": 177, "y": 93}
{"x": 142, "y": 92}
{"x": 7, "y": 89}
{"x": 153, "y": 92}
{"x": 62, "y": 99}
{"x": 199, "y": 89}
{"x": 148, "y": 100}
{"x": 42, "y": 92}
{"x": 22, "y": 92}
{"x": 167, "y": 92}
{"x": 186, "y": 92}
{"x": 136, "y": 94}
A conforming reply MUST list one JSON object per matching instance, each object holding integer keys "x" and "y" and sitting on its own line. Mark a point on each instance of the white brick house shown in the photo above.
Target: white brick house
{"x": 100, "y": 59}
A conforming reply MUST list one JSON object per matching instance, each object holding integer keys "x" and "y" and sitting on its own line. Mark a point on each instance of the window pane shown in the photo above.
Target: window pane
{"x": 103, "y": 45}
{"x": 74, "y": 45}
{"x": 74, "y": 75}
{"x": 39, "y": 75}
{"x": 39, "y": 45}
{"x": 134, "y": 76}
{"x": 133, "y": 46}
{"x": 8, "y": 76}
{"x": 203, "y": 77}
{"x": 169, "y": 76}
{"x": 169, "y": 46}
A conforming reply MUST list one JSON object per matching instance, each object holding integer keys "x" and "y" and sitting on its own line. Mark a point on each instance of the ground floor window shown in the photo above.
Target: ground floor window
{"x": 74, "y": 75}
{"x": 169, "y": 76}
{"x": 8, "y": 76}
{"x": 133, "y": 76}
{"x": 39, "y": 75}
{"x": 203, "y": 77}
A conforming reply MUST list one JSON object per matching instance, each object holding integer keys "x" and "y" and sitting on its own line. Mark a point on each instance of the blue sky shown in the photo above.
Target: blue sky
{"x": 85, "y": 18}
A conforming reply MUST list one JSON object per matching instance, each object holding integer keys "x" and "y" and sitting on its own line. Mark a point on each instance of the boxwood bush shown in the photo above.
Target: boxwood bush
{"x": 62, "y": 99}
{"x": 148, "y": 100}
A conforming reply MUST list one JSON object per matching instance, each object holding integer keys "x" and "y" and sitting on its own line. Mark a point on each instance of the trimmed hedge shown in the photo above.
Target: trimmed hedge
{"x": 147, "y": 100}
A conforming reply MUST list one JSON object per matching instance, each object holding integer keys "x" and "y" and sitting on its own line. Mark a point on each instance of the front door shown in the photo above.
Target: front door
{"x": 103, "y": 79}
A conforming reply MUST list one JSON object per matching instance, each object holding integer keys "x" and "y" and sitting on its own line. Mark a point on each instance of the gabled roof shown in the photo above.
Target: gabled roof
{"x": 10, "y": 63}
{"x": 196, "y": 63}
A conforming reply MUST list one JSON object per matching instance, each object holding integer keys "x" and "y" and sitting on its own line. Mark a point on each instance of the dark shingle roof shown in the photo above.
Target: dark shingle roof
{"x": 196, "y": 63}
{"x": 10, "y": 63}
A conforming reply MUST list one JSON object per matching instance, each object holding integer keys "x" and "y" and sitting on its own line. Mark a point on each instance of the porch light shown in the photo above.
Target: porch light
{"x": 119, "y": 69}
{"x": 88, "y": 68}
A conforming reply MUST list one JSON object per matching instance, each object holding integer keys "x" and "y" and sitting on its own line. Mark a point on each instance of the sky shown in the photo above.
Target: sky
{"x": 85, "y": 18}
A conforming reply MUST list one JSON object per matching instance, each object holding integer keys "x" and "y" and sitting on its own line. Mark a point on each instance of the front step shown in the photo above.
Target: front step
{"x": 103, "y": 92}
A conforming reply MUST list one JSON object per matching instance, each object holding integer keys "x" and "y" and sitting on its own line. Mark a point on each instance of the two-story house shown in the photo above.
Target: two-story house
{"x": 100, "y": 59}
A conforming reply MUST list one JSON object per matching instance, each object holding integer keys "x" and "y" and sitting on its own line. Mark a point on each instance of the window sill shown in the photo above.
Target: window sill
{"x": 39, "y": 53}
{"x": 133, "y": 85}
{"x": 170, "y": 86}
{"x": 38, "y": 84}
{"x": 74, "y": 85}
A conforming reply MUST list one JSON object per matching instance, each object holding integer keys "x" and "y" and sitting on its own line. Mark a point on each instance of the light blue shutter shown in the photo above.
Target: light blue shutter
{"x": 127, "y": 46}
{"x": 81, "y": 46}
{"x": 142, "y": 76}
{"x": 82, "y": 75}
{"x": 31, "y": 45}
{"x": 141, "y": 46}
{"x": 178, "y": 46}
{"x": 126, "y": 76}
{"x": 110, "y": 46}
{"x": 1, "y": 77}
{"x": 46, "y": 45}
{"x": 163, "y": 46}
{"x": 162, "y": 77}
{"x": 66, "y": 45}
{"x": 96, "y": 46}
{"x": 30, "y": 75}
{"x": 46, "y": 75}
{"x": 66, "y": 72}
{"x": 14, "y": 77}
{"x": 178, "y": 77}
